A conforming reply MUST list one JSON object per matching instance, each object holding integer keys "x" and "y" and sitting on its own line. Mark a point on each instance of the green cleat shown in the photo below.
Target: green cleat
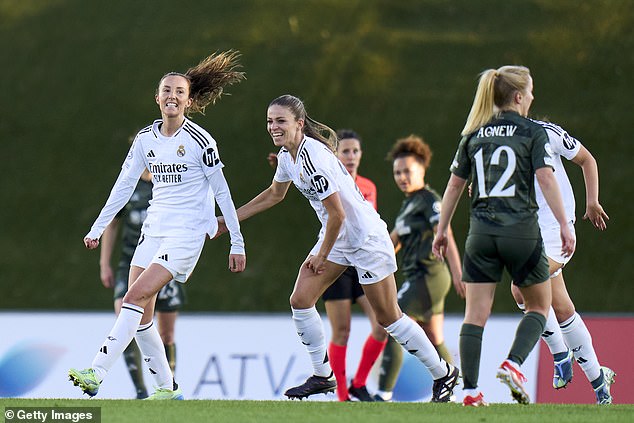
{"x": 166, "y": 394}
{"x": 86, "y": 380}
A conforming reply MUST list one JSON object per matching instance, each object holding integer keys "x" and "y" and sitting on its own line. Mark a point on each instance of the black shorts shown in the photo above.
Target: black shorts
{"x": 170, "y": 298}
{"x": 486, "y": 256}
{"x": 346, "y": 287}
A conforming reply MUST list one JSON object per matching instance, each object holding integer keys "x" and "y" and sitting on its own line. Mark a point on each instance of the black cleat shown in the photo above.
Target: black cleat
{"x": 313, "y": 385}
{"x": 442, "y": 391}
{"x": 360, "y": 393}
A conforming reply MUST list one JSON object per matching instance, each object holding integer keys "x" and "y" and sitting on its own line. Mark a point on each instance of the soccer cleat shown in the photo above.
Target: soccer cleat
{"x": 563, "y": 372}
{"x": 86, "y": 380}
{"x": 313, "y": 385}
{"x": 477, "y": 401}
{"x": 442, "y": 390}
{"x": 361, "y": 393}
{"x": 378, "y": 398}
{"x": 603, "y": 391}
{"x": 166, "y": 394}
{"x": 514, "y": 379}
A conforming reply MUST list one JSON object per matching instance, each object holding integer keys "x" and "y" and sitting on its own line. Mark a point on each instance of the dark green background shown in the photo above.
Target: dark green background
{"x": 78, "y": 78}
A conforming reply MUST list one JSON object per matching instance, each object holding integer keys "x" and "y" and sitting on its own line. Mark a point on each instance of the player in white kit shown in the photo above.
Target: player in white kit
{"x": 352, "y": 234}
{"x": 187, "y": 176}
{"x": 565, "y": 333}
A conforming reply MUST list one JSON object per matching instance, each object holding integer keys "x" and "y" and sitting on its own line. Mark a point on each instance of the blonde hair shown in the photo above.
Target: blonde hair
{"x": 496, "y": 88}
{"x": 414, "y": 146}
{"x": 312, "y": 128}
{"x": 209, "y": 77}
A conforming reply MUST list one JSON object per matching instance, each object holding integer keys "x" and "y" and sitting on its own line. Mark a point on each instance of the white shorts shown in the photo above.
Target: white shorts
{"x": 374, "y": 261}
{"x": 178, "y": 255}
{"x": 552, "y": 243}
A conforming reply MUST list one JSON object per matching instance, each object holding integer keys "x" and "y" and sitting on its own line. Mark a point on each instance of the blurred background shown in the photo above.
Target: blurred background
{"x": 78, "y": 79}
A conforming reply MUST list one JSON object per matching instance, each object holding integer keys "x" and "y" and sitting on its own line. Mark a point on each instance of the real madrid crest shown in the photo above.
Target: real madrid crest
{"x": 301, "y": 177}
{"x": 181, "y": 151}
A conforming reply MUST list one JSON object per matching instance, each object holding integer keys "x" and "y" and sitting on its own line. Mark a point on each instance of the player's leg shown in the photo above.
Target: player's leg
{"x": 132, "y": 354}
{"x": 166, "y": 323}
{"x": 578, "y": 339}
{"x": 434, "y": 289}
{"x": 382, "y": 297}
{"x": 309, "y": 286}
{"x": 372, "y": 348}
{"x": 481, "y": 268}
{"x": 554, "y": 340}
{"x": 169, "y": 301}
{"x": 338, "y": 311}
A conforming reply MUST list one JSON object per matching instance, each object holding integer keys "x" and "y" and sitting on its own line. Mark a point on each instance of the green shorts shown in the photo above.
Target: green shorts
{"x": 170, "y": 298}
{"x": 422, "y": 297}
{"x": 486, "y": 256}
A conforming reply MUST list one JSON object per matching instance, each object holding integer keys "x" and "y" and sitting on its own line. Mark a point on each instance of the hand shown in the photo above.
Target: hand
{"x": 237, "y": 262}
{"x": 439, "y": 246}
{"x": 596, "y": 215}
{"x": 272, "y": 158}
{"x": 567, "y": 241}
{"x": 316, "y": 264}
{"x": 107, "y": 276}
{"x": 91, "y": 243}
{"x": 222, "y": 228}
{"x": 460, "y": 287}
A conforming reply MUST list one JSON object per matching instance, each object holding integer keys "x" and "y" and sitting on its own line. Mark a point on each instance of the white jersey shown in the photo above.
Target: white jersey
{"x": 317, "y": 173}
{"x": 187, "y": 177}
{"x": 562, "y": 145}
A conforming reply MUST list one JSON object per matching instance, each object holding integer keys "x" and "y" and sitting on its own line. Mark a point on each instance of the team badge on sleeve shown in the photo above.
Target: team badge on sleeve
{"x": 210, "y": 157}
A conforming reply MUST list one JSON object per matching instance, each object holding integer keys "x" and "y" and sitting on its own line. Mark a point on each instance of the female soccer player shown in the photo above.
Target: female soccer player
{"x": 422, "y": 295}
{"x": 352, "y": 234}
{"x": 502, "y": 151}
{"x": 187, "y": 176}
{"x": 565, "y": 332}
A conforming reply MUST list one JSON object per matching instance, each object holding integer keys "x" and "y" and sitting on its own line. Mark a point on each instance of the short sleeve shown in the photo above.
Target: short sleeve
{"x": 542, "y": 152}
{"x": 461, "y": 165}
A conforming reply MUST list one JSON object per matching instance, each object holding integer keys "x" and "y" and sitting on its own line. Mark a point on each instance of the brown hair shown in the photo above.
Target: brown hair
{"x": 312, "y": 128}
{"x": 412, "y": 145}
{"x": 209, "y": 77}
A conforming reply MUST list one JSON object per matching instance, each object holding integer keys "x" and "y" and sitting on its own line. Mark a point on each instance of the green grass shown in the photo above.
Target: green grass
{"x": 128, "y": 411}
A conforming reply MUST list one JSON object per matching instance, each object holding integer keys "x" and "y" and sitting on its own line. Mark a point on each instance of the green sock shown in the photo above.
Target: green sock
{"x": 132, "y": 357}
{"x": 390, "y": 365}
{"x": 470, "y": 350}
{"x": 170, "y": 352}
{"x": 528, "y": 332}
{"x": 444, "y": 353}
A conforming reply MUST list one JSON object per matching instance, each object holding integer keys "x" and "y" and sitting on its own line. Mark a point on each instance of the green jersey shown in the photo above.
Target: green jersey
{"x": 132, "y": 217}
{"x": 501, "y": 158}
{"x": 415, "y": 224}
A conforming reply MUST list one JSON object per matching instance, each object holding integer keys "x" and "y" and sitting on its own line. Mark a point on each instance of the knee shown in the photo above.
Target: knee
{"x": 340, "y": 334}
{"x": 167, "y": 337}
{"x": 298, "y": 302}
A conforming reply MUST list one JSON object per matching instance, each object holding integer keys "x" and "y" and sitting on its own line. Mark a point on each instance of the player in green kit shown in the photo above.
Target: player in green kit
{"x": 502, "y": 152}
{"x": 427, "y": 279}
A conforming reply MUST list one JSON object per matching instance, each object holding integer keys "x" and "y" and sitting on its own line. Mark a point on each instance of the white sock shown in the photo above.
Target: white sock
{"x": 151, "y": 345}
{"x": 412, "y": 337}
{"x": 552, "y": 334}
{"x": 118, "y": 339}
{"x": 310, "y": 329}
{"x": 579, "y": 340}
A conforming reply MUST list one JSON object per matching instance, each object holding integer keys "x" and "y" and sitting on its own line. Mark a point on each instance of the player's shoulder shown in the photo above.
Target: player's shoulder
{"x": 199, "y": 135}
{"x": 561, "y": 141}
{"x": 146, "y": 133}
{"x": 362, "y": 180}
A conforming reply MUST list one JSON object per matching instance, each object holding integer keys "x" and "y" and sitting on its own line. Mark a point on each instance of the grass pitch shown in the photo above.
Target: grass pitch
{"x": 133, "y": 411}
